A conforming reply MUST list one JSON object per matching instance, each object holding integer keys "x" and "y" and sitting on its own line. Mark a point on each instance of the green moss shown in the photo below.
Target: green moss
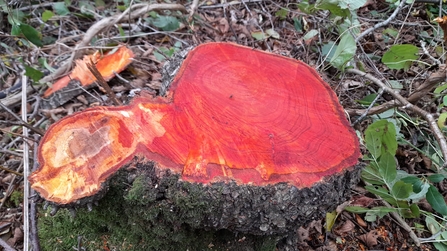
{"x": 16, "y": 198}
{"x": 128, "y": 219}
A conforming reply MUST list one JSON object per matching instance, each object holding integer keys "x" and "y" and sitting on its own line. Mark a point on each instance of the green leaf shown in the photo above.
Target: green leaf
{"x": 442, "y": 119}
{"x": 382, "y": 136}
{"x": 371, "y": 175}
{"x": 368, "y": 99}
{"x": 432, "y": 225}
{"x": 16, "y": 17}
{"x": 401, "y": 190}
{"x": 436, "y": 200}
{"x": 60, "y": 8}
{"x": 377, "y": 210}
{"x": 351, "y": 4}
{"x": 31, "y": 34}
{"x": 328, "y": 49}
{"x": 400, "y": 56}
{"x": 46, "y": 15}
{"x": 415, "y": 181}
{"x": 330, "y": 220}
{"x": 166, "y": 23}
{"x": 258, "y": 35}
{"x": 387, "y": 167}
{"x": 310, "y": 34}
{"x": 272, "y": 33}
{"x": 390, "y": 31}
{"x": 333, "y": 7}
{"x": 297, "y": 24}
{"x": 43, "y": 61}
{"x": 345, "y": 51}
{"x": 383, "y": 193}
{"x": 281, "y": 13}
{"x": 436, "y": 178}
{"x": 415, "y": 210}
{"x": 15, "y": 30}
{"x": 440, "y": 89}
{"x": 34, "y": 74}
{"x": 86, "y": 8}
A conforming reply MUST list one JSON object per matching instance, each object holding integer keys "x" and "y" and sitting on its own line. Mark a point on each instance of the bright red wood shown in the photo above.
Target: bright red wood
{"x": 232, "y": 113}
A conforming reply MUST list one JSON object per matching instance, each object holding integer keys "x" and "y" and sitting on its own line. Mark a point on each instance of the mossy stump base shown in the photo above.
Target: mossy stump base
{"x": 149, "y": 208}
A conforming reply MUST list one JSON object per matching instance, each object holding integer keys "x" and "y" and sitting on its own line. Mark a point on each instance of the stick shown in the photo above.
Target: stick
{"x": 427, "y": 86}
{"x": 386, "y": 22}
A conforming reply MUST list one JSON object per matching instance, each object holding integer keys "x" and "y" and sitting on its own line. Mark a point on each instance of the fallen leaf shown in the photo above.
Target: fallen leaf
{"x": 347, "y": 227}
{"x": 360, "y": 221}
{"x": 370, "y": 238}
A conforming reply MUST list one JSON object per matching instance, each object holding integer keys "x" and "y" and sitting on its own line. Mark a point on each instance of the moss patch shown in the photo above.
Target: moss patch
{"x": 125, "y": 220}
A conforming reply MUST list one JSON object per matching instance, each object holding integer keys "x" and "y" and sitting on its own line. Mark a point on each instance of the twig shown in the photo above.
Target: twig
{"x": 407, "y": 105}
{"x": 15, "y": 134}
{"x": 92, "y": 68}
{"x": 25, "y": 167}
{"x": 34, "y": 236}
{"x": 10, "y": 171}
{"x": 403, "y": 224}
{"x": 369, "y": 107}
{"x": 228, "y": 4}
{"x": 428, "y": 54}
{"x": 428, "y": 85}
{"x": 194, "y": 5}
{"x": 6, "y": 246}
{"x": 21, "y": 123}
{"x": 130, "y": 13}
{"x": 381, "y": 24}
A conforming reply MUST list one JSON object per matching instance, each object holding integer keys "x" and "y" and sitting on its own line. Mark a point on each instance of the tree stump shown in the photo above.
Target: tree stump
{"x": 244, "y": 141}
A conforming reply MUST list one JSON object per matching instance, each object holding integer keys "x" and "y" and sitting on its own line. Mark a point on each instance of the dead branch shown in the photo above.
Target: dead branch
{"x": 381, "y": 24}
{"x": 428, "y": 85}
{"x": 405, "y": 104}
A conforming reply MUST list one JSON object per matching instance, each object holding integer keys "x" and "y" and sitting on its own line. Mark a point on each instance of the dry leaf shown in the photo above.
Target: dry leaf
{"x": 442, "y": 21}
{"x": 347, "y": 227}
{"x": 370, "y": 239}
{"x": 360, "y": 221}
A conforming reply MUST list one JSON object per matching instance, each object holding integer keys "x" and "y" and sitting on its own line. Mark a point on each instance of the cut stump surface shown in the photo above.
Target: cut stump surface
{"x": 256, "y": 141}
{"x": 232, "y": 113}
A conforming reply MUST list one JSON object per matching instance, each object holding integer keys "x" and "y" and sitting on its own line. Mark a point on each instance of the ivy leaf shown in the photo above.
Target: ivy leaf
{"x": 400, "y": 56}
{"x": 345, "y": 51}
{"x": 436, "y": 200}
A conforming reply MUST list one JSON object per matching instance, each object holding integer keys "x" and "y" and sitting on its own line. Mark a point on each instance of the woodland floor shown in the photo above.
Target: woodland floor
{"x": 235, "y": 23}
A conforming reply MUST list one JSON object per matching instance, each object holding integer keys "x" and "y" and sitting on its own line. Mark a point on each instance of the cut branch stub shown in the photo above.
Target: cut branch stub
{"x": 232, "y": 113}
